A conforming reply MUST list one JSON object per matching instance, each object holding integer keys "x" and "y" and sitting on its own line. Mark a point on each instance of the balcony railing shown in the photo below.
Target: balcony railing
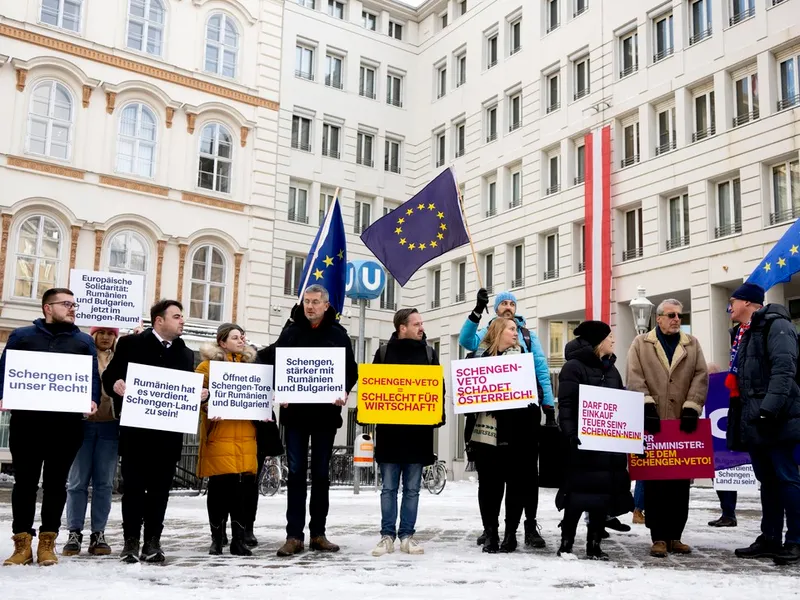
{"x": 551, "y": 274}
{"x": 360, "y": 228}
{"x": 439, "y": 162}
{"x": 581, "y": 93}
{"x": 367, "y": 93}
{"x": 308, "y": 75}
{"x": 729, "y": 229}
{"x": 462, "y": 297}
{"x": 553, "y": 27}
{"x": 334, "y": 82}
{"x": 491, "y": 137}
{"x": 441, "y": 94}
{"x": 580, "y": 11}
{"x": 489, "y": 289}
{"x": 492, "y": 63}
{"x": 700, "y": 36}
{"x": 629, "y": 160}
{"x": 297, "y": 217}
{"x": 788, "y": 101}
{"x": 330, "y": 153}
{"x": 632, "y": 253}
{"x": 515, "y": 203}
{"x": 491, "y": 211}
{"x": 742, "y": 16}
{"x": 388, "y": 305}
{"x": 394, "y": 101}
{"x": 776, "y": 2}
{"x": 581, "y": 267}
{"x": 554, "y": 106}
{"x": 435, "y": 303}
{"x": 661, "y": 55}
{"x": 460, "y": 152}
{"x": 517, "y": 283}
{"x": 367, "y": 162}
{"x": 745, "y": 118}
{"x": 665, "y": 147}
{"x": 289, "y": 291}
{"x": 514, "y": 126}
{"x": 784, "y": 215}
{"x": 678, "y": 242}
{"x": 515, "y": 49}
{"x": 391, "y": 168}
{"x": 629, "y": 70}
{"x": 553, "y": 189}
{"x": 578, "y": 180}
{"x": 703, "y": 134}
{"x": 297, "y": 144}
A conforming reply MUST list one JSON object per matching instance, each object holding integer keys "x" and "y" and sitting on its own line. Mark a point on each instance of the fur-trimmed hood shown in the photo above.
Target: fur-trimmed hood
{"x": 211, "y": 351}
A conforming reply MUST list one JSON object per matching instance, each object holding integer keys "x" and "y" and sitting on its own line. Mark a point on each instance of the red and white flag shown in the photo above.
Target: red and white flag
{"x": 597, "y": 239}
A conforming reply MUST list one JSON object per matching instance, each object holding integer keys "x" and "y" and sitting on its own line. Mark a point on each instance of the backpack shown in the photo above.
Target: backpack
{"x": 526, "y": 337}
{"x": 765, "y": 338}
{"x": 384, "y": 347}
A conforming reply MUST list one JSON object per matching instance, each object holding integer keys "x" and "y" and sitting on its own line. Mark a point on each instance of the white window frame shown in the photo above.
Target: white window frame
{"x": 514, "y": 36}
{"x": 302, "y": 123}
{"x": 460, "y": 281}
{"x": 709, "y": 116}
{"x": 491, "y": 196}
{"x": 553, "y": 174}
{"x": 788, "y": 207}
{"x": 678, "y": 233}
{"x": 208, "y": 284}
{"x": 633, "y": 38}
{"x": 297, "y": 210}
{"x": 699, "y": 25}
{"x": 635, "y": 250}
{"x": 492, "y": 47}
{"x": 218, "y": 160}
{"x": 365, "y": 20}
{"x": 753, "y": 112}
{"x": 147, "y": 25}
{"x": 38, "y": 258}
{"x": 462, "y": 8}
{"x": 514, "y": 99}
{"x": 630, "y": 159}
{"x": 395, "y": 30}
{"x": 60, "y": 14}
{"x": 330, "y": 68}
{"x": 553, "y": 10}
{"x": 50, "y": 121}
{"x": 667, "y": 143}
{"x": 389, "y": 293}
{"x": 746, "y": 10}
{"x": 461, "y": 69}
{"x": 362, "y": 215}
{"x": 488, "y": 271}
{"x": 580, "y": 162}
{"x": 581, "y": 248}
{"x": 460, "y": 139}
{"x": 789, "y": 97}
{"x": 734, "y": 208}
{"x": 443, "y": 20}
{"x": 436, "y": 288}
{"x": 439, "y": 146}
{"x": 137, "y": 140}
{"x": 362, "y": 156}
{"x": 583, "y": 84}
{"x": 553, "y": 96}
{"x": 393, "y": 146}
{"x": 326, "y": 198}
{"x": 515, "y": 180}
{"x": 517, "y": 266}
{"x": 551, "y": 266}
{"x": 669, "y": 39}
{"x": 292, "y": 275}
{"x": 221, "y": 46}
{"x": 441, "y": 80}
{"x": 301, "y": 52}
{"x": 491, "y": 123}
{"x": 581, "y": 6}
{"x": 391, "y": 78}
{"x": 130, "y": 234}
{"x": 329, "y": 148}
{"x": 308, "y": 4}
{"x": 363, "y": 89}
{"x": 334, "y": 7}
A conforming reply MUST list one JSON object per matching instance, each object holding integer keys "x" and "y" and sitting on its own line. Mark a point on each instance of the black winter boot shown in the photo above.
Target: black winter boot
{"x": 130, "y": 551}
{"x": 789, "y": 555}
{"x": 249, "y": 537}
{"x": 593, "y": 549}
{"x": 509, "y": 543}
{"x": 566, "y": 546}
{"x": 492, "y": 543}
{"x": 482, "y": 538}
{"x": 216, "y": 540}
{"x": 532, "y": 537}
{"x": 225, "y": 532}
{"x": 238, "y": 547}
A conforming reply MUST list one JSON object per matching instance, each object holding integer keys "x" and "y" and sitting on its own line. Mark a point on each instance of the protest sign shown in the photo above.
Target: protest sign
{"x": 47, "y": 381}
{"x": 400, "y": 394}
{"x": 162, "y": 399}
{"x": 240, "y": 391}
{"x": 738, "y": 479}
{"x": 107, "y": 299}
{"x": 309, "y": 375}
{"x": 610, "y": 420}
{"x": 673, "y": 454}
{"x": 493, "y": 383}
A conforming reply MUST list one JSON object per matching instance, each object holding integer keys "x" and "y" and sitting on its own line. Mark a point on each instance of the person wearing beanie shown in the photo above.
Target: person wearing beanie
{"x": 764, "y": 416}
{"x": 505, "y": 306}
{"x": 668, "y": 367}
{"x": 596, "y": 482}
{"x": 96, "y": 462}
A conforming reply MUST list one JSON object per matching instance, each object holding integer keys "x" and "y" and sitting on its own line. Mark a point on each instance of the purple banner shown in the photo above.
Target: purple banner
{"x": 717, "y": 404}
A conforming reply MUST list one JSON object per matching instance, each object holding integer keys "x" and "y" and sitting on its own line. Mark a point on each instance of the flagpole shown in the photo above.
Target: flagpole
{"x": 466, "y": 227}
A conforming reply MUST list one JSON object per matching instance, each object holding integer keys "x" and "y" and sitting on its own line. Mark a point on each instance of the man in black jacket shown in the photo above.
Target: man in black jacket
{"x": 45, "y": 439}
{"x": 315, "y": 326}
{"x": 148, "y": 456}
{"x": 403, "y": 449}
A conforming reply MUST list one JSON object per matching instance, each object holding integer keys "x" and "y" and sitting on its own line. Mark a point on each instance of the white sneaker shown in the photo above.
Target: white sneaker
{"x": 385, "y": 546}
{"x": 410, "y": 546}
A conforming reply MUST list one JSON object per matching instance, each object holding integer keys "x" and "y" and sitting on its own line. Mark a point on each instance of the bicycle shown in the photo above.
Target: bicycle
{"x": 434, "y": 477}
{"x": 273, "y": 476}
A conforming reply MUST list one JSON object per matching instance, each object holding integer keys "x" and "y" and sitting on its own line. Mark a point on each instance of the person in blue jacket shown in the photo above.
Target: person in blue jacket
{"x": 505, "y": 306}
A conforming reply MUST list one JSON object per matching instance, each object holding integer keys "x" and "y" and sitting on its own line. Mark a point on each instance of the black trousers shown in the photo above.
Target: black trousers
{"x": 230, "y": 495}
{"x": 531, "y": 491}
{"x": 505, "y": 471}
{"x": 666, "y": 508}
{"x": 41, "y": 444}
{"x": 148, "y": 480}
{"x": 572, "y": 516}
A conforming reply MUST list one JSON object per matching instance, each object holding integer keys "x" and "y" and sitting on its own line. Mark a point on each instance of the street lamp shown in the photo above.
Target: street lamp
{"x": 641, "y": 308}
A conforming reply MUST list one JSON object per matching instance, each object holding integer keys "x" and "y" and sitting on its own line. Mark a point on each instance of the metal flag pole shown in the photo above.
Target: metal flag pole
{"x": 361, "y": 351}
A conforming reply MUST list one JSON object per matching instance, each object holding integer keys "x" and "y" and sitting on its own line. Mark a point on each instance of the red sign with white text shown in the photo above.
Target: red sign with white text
{"x": 673, "y": 454}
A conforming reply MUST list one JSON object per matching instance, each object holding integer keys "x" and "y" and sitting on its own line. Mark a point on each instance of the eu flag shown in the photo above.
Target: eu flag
{"x": 427, "y": 226}
{"x": 781, "y": 263}
{"x": 326, "y": 263}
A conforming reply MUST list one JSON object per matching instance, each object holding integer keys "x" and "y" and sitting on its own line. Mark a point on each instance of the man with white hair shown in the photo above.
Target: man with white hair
{"x": 668, "y": 367}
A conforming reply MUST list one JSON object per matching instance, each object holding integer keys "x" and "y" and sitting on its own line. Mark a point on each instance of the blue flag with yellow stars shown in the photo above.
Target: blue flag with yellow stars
{"x": 781, "y": 263}
{"x": 427, "y": 226}
{"x": 326, "y": 263}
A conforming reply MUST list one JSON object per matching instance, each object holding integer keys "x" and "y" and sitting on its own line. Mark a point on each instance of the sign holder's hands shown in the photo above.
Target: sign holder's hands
{"x": 204, "y": 395}
{"x": 1, "y": 406}
{"x": 340, "y": 401}
{"x": 93, "y": 411}
{"x": 119, "y": 387}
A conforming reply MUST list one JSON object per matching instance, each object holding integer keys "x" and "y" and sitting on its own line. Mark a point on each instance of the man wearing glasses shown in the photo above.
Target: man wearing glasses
{"x": 40, "y": 439}
{"x": 668, "y": 367}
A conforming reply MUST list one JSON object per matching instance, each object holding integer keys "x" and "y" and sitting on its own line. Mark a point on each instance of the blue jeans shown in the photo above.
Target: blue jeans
{"x": 638, "y": 495}
{"x": 96, "y": 462}
{"x": 412, "y": 482}
{"x": 297, "y": 442}
{"x": 776, "y": 469}
{"x": 727, "y": 502}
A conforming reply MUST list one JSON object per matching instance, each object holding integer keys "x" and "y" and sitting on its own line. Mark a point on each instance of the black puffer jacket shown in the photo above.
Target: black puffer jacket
{"x": 767, "y": 382}
{"x": 595, "y": 480}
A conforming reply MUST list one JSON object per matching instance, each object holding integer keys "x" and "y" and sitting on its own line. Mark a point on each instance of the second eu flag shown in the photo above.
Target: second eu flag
{"x": 423, "y": 228}
{"x": 781, "y": 262}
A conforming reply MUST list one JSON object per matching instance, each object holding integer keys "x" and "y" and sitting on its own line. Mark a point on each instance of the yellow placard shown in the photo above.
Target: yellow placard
{"x": 400, "y": 394}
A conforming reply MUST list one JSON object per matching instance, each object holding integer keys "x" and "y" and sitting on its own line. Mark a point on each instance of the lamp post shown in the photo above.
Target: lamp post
{"x": 641, "y": 308}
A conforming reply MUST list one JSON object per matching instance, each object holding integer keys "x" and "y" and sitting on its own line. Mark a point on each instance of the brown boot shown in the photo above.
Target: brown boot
{"x": 638, "y": 517}
{"x": 678, "y": 547}
{"x": 46, "y": 551}
{"x": 321, "y": 544}
{"x": 659, "y": 549}
{"x": 290, "y": 547}
{"x": 23, "y": 555}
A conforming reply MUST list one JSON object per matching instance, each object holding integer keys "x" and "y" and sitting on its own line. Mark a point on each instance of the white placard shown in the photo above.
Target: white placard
{"x": 739, "y": 479}
{"x": 48, "y": 381}
{"x": 162, "y": 399}
{"x": 493, "y": 383}
{"x": 610, "y": 420}
{"x": 107, "y": 299}
{"x": 240, "y": 391}
{"x": 309, "y": 375}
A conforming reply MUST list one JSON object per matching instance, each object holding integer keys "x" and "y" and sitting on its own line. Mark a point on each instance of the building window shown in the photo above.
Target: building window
{"x": 369, "y": 20}
{"x": 551, "y": 257}
{"x": 553, "y": 97}
{"x": 666, "y": 131}
{"x": 553, "y": 20}
{"x": 392, "y": 156}
{"x": 514, "y": 112}
{"x": 634, "y": 245}
{"x": 304, "y": 62}
{"x": 301, "y": 133}
{"x": 581, "y": 69}
{"x": 439, "y": 148}
{"x": 363, "y": 215}
{"x": 222, "y": 45}
{"x": 678, "y": 222}
{"x": 462, "y": 8}
{"x": 441, "y": 81}
{"x": 746, "y": 90}
{"x": 38, "y": 257}
{"x": 216, "y": 153}
{"x": 330, "y": 140}
{"x": 461, "y": 69}
{"x": 704, "y": 116}
{"x": 488, "y": 272}
{"x": 298, "y": 204}
{"x": 785, "y": 192}
{"x": 50, "y": 121}
{"x": 580, "y": 163}
{"x": 65, "y": 14}
{"x": 560, "y": 334}
{"x": 293, "y": 275}
{"x": 461, "y": 282}
{"x": 389, "y": 294}
{"x": 127, "y": 254}
{"x": 518, "y": 266}
{"x": 553, "y": 179}
{"x": 700, "y": 16}
{"x": 308, "y": 4}
{"x": 436, "y": 288}
{"x": 515, "y": 36}
{"x": 443, "y": 21}
{"x": 491, "y": 197}
{"x": 581, "y": 6}
{"x": 461, "y": 139}
{"x": 516, "y": 189}
{"x": 664, "y": 40}
{"x": 389, "y": 207}
{"x": 333, "y": 71}
{"x": 395, "y": 30}
{"x": 364, "y": 145}
{"x": 146, "y": 26}
{"x": 629, "y": 54}
{"x": 136, "y": 147}
{"x": 325, "y": 203}
{"x": 790, "y": 83}
{"x": 729, "y": 208}
{"x": 491, "y": 124}
{"x": 581, "y": 248}
{"x": 207, "y": 285}
{"x": 394, "y": 90}
{"x": 366, "y": 82}
{"x": 742, "y": 10}
{"x": 630, "y": 143}
{"x": 491, "y": 51}
{"x": 336, "y": 9}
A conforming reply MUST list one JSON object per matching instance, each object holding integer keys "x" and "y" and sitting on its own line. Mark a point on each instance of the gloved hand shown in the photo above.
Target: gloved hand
{"x": 652, "y": 422}
{"x": 574, "y": 441}
{"x": 549, "y": 415}
{"x": 481, "y": 302}
{"x": 689, "y": 418}
{"x": 767, "y": 424}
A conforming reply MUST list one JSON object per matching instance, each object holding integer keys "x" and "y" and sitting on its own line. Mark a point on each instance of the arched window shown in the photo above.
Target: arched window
{"x": 128, "y": 253}
{"x": 208, "y": 284}
{"x": 38, "y": 256}
{"x": 146, "y": 26}
{"x": 222, "y": 45}
{"x": 216, "y": 151}
{"x": 50, "y": 120}
{"x": 136, "y": 151}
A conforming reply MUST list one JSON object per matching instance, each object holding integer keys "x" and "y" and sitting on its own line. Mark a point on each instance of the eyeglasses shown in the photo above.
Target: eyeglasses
{"x": 671, "y": 315}
{"x": 66, "y": 304}
{"x": 312, "y": 302}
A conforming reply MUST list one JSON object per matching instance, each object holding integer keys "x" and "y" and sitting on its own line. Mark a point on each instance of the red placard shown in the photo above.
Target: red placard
{"x": 673, "y": 454}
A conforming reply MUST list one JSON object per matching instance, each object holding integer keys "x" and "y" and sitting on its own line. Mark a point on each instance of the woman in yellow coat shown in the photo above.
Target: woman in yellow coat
{"x": 227, "y": 453}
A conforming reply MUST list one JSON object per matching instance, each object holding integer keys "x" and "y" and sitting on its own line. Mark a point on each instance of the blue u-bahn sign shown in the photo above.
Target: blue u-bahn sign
{"x": 365, "y": 279}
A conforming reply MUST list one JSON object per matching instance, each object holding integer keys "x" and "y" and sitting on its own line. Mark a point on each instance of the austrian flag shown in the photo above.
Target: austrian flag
{"x": 597, "y": 236}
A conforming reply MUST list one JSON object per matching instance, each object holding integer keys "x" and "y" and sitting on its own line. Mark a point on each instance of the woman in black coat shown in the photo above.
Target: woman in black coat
{"x": 596, "y": 482}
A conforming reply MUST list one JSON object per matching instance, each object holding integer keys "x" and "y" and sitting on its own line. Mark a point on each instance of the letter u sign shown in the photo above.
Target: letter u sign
{"x": 365, "y": 279}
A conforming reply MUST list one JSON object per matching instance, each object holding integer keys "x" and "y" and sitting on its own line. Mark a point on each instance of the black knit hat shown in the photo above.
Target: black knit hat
{"x": 224, "y": 330}
{"x": 749, "y": 292}
{"x": 593, "y": 332}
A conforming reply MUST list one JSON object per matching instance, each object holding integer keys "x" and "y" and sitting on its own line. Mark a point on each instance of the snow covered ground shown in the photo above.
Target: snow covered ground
{"x": 453, "y": 567}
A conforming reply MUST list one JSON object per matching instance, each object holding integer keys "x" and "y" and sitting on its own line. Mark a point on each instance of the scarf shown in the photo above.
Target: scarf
{"x": 731, "y": 381}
